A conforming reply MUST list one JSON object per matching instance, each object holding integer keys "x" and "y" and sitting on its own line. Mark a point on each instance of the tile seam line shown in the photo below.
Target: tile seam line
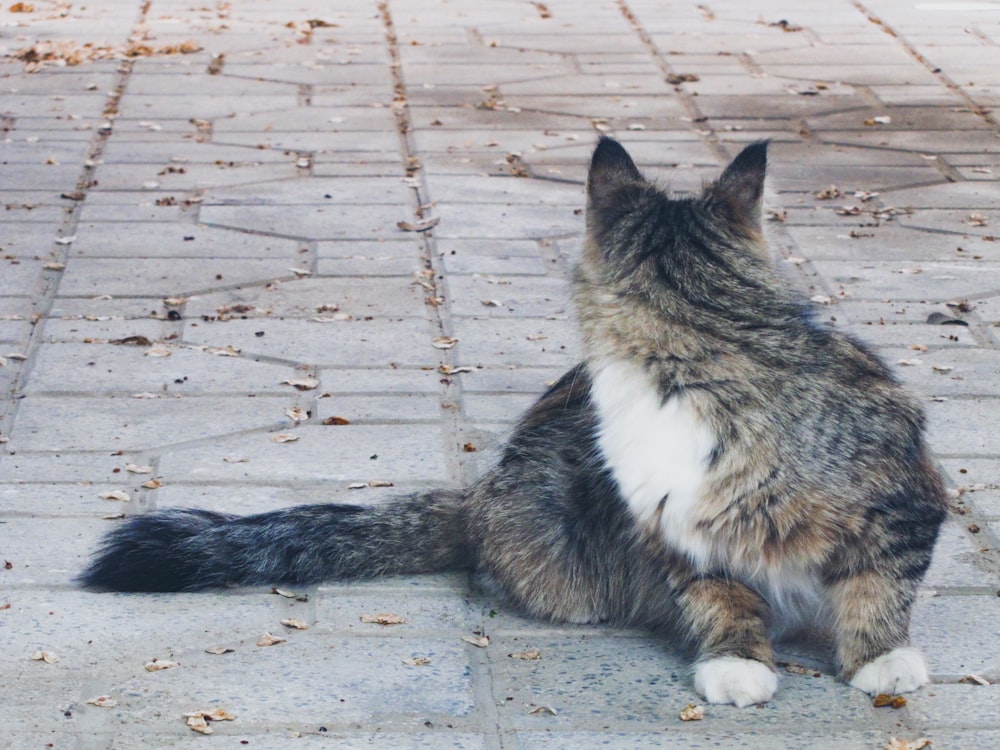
{"x": 482, "y": 671}
{"x": 51, "y": 280}
{"x": 974, "y": 107}
{"x": 708, "y": 134}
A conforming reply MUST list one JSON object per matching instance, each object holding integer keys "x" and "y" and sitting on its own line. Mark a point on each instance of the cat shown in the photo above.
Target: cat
{"x": 718, "y": 464}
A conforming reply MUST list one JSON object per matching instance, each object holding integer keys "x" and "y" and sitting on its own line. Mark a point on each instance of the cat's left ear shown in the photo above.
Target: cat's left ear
{"x": 740, "y": 189}
{"x": 611, "y": 171}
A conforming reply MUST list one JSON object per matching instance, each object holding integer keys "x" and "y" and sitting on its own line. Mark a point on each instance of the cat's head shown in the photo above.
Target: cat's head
{"x": 640, "y": 239}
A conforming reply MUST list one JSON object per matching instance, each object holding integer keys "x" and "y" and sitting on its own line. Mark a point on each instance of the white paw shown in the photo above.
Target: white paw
{"x": 899, "y": 671}
{"x": 730, "y": 679}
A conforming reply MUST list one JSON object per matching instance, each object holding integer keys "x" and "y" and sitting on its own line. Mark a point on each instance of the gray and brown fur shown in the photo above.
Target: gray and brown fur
{"x": 820, "y": 472}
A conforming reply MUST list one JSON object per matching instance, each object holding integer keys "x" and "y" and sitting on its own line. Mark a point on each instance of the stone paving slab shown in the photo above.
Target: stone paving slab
{"x": 262, "y": 178}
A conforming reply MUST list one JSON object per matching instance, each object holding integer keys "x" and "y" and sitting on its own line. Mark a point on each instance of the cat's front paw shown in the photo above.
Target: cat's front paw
{"x": 901, "y": 670}
{"x": 730, "y": 679}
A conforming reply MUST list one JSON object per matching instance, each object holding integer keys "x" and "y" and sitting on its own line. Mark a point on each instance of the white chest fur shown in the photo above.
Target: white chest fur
{"x": 657, "y": 452}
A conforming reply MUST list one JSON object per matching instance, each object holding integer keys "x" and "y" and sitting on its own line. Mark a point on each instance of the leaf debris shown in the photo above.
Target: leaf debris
{"x": 103, "y": 701}
{"x": 270, "y": 640}
{"x": 691, "y": 712}
{"x": 383, "y": 619}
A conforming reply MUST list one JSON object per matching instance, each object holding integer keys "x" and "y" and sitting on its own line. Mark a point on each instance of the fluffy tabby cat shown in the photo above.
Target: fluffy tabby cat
{"x": 717, "y": 460}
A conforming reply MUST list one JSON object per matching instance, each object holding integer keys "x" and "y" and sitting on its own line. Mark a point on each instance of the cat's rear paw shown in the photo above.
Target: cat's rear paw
{"x": 730, "y": 679}
{"x": 901, "y": 670}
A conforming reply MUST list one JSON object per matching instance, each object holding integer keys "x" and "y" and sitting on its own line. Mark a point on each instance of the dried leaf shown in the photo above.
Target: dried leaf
{"x": 270, "y": 640}
{"x": 543, "y": 710}
{"x": 119, "y": 495}
{"x": 198, "y": 720}
{"x": 479, "y": 641}
{"x": 52, "y": 266}
{"x": 357, "y": 486}
{"x": 302, "y": 384}
{"x": 829, "y": 193}
{"x": 383, "y": 619}
{"x": 291, "y": 622}
{"x": 692, "y": 712}
{"x": 880, "y": 120}
{"x": 531, "y": 654}
{"x": 420, "y": 226}
{"x": 158, "y": 351}
{"x": 336, "y": 421}
{"x": 160, "y": 664}
{"x": 491, "y": 303}
{"x": 451, "y": 370}
{"x": 897, "y": 744}
{"x": 976, "y": 220}
{"x": 297, "y": 414}
{"x": 132, "y": 341}
{"x": 284, "y": 437}
{"x": 103, "y": 701}
{"x": 444, "y": 342}
{"x": 47, "y": 656}
{"x": 199, "y": 724}
{"x": 379, "y": 483}
{"x": 175, "y": 301}
{"x": 974, "y": 679}
{"x": 284, "y": 593}
{"x": 235, "y": 460}
{"x": 883, "y": 700}
{"x": 65, "y": 240}
{"x": 152, "y": 484}
{"x": 417, "y": 661}
{"x": 138, "y": 469}
{"x": 219, "y": 650}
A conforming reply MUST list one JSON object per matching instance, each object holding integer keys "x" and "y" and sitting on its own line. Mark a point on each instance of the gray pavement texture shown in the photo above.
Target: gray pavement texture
{"x": 201, "y": 203}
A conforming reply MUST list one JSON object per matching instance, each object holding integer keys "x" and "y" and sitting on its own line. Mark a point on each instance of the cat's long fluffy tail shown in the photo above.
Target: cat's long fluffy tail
{"x": 188, "y": 550}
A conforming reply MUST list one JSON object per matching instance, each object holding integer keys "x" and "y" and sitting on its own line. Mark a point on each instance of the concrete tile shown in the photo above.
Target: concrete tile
{"x": 961, "y": 426}
{"x": 164, "y": 277}
{"x": 340, "y": 455}
{"x": 955, "y": 633}
{"x": 958, "y": 561}
{"x": 129, "y": 424}
{"x": 172, "y": 240}
{"x": 110, "y": 369}
{"x": 354, "y": 343}
{"x": 534, "y": 342}
{"x": 321, "y": 222}
{"x": 514, "y": 296}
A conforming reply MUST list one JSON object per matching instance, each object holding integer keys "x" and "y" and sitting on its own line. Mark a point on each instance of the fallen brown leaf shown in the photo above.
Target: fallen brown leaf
{"x": 531, "y": 654}
{"x": 158, "y": 665}
{"x": 692, "y": 712}
{"x": 302, "y": 384}
{"x": 383, "y": 619}
{"x": 270, "y": 640}
{"x": 420, "y": 226}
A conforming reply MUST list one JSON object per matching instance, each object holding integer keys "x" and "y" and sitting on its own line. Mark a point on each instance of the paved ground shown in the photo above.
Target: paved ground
{"x": 186, "y": 229}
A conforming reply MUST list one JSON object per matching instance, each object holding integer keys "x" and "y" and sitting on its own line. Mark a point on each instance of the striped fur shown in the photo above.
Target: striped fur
{"x": 749, "y": 461}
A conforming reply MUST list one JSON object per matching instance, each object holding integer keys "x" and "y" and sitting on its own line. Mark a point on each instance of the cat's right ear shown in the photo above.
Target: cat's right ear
{"x": 611, "y": 170}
